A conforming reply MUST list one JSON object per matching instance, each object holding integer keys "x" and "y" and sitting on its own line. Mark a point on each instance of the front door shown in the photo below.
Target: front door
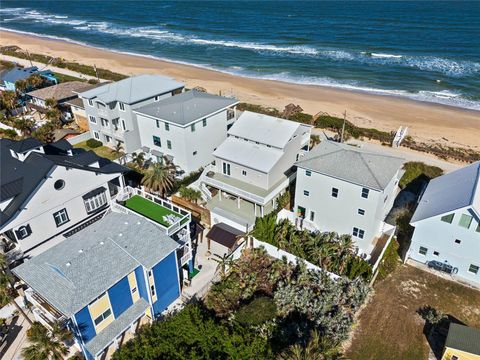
{"x": 301, "y": 212}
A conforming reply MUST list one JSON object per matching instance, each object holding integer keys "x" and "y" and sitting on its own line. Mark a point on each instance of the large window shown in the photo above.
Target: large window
{"x": 365, "y": 193}
{"x": 226, "y": 168}
{"x": 93, "y": 120}
{"x": 102, "y": 317}
{"x": 104, "y": 122}
{"x": 157, "y": 141}
{"x": 61, "y": 217}
{"x": 95, "y": 202}
{"x": 447, "y": 218}
{"x": 465, "y": 221}
{"x": 423, "y": 251}
{"x": 473, "y": 269}
{"x": 358, "y": 233}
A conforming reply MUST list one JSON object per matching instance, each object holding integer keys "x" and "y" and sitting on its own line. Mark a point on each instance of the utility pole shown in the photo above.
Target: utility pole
{"x": 96, "y": 72}
{"x": 29, "y": 58}
{"x": 343, "y": 127}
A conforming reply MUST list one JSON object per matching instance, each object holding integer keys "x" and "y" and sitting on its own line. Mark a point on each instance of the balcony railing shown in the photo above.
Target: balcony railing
{"x": 43, "y": 309}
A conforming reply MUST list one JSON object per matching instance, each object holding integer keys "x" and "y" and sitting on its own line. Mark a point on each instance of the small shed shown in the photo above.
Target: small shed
{"x": 222, "y": 239}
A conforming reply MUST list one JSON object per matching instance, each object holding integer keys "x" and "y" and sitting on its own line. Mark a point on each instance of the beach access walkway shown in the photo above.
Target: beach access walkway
{"x": 27, "y": 63}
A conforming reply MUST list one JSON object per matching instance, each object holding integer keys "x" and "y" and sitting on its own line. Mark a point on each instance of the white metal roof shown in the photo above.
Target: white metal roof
{"x": 264, "y": 129}
{"x": 246, "y": 153}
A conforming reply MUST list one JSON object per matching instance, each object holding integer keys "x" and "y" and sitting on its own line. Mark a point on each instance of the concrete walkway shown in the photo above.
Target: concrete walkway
{"x": 41, "y": 66}
{"x": 16, "y": 338}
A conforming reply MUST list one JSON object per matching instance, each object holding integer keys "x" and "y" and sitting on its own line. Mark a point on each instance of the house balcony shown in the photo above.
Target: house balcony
{"x": 162, "y": 213}
{"x": 42, "y": 310}
{"x": 299, "y": 222}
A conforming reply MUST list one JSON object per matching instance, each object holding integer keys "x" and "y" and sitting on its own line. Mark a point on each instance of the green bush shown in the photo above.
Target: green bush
{"x": 302, "y": 118}
{"x": 390, "y": 260}
{"x": 415, "y": 170}
{"x": 257, "y": 312}
{"x": 92, "y": 143}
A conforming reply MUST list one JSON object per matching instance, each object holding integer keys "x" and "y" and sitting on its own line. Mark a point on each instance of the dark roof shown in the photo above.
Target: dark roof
{"x": 463, "y": 338}
{"x": 77, "y": 102}
{"x": 19, "y": 73}
{"x": 25, "y": 145}
{"x": 61, "y": 91}
{"x": 19, "y": 179}
{"x": 224, "y": 234}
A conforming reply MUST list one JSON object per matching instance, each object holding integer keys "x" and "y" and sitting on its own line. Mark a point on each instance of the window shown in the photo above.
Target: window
{"x": 95, "y": 202}
{"x": 124, "y": 127}
{"x": 192, "y": 127}
{"x": 312, "y": 216}
{"x": 244, "y": 173}
{"x": 365, "y": 192}
{"x": 308, "y": 173}
{"x": 361, "y": 212}
{"x": 167, "y": 127}
{"x": 194, "y": 153}
{"x": 61, "y": 217}
{"x": 447, "y": 218}
{"x": 334, "y": 192}
{"x": 169, "y": 144}
{"x": 204, "y": 122}
{"x": 226, "y": 168}
{"x": 134, "y": 290}
{"x": 306, "y": 192}
{"x": 104, "y": 122}
{"x": 152, "y": 288}
{"x": 157, "y": 141}
{"x": 423, "y": 250}
{"x": 59, "y": 184}
{"x": 23, "y": 232}
{"x": 473, "y": 269}
{"x": 457, "y": 241}
{"x": 436, "y": 253}
{"x": 121, "y": 106}
{"x": 478, "y": 228}
{"x": 92, "y": 119}
{"x": 90, "y": 102}
{"x": 157, "y": 122}
{"x": 454, "y": 357}
{"x": 465, "y": 221}
{"x": 230, "y": 114}
{"x": 156, "y": 98}
{"x": 108, "y": 138}
{"x": 115, "y": 124}
{"x": 102, "y": 317}
{"x": 358, "y": 233}
{"x": 96, "y": 135}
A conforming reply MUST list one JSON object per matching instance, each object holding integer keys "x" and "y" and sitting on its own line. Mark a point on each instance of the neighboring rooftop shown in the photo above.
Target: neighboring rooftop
{"x": 18, "y": 73}
{"x": 77, "y": 102}
{"x": 450, "y": 192}
{"x": 73, "y": 273}
{"x": 258, "y": 157}
{"x": 463, "y": 338}
{"x": 224, "y": 234}
{"x": 62, "y": 91}
{"x": 186, "y": 107}
{"x": 19, "y": 179}
{"x": 264, "y": 129}
{"x": 133, "y": 89}
{"x": 352, "y": 164}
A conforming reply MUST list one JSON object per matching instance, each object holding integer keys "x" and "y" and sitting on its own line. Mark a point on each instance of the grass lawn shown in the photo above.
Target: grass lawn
{"x": 102, "y": 151}
{"x": 149, "y": 209}
{"x": 390, "y": 328}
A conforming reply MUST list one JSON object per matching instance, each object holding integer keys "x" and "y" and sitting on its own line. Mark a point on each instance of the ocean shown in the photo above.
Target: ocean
{"x": 425, "y": 50}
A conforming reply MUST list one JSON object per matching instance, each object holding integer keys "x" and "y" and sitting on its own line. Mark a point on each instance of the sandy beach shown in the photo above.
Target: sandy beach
{"x": 426, "y": 122}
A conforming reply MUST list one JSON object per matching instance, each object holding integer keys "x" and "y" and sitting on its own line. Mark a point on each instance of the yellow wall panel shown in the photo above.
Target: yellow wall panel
{"x": 460, "y": 354}
{"x": 132, "y": 281}
{"x": 99, "y": 306}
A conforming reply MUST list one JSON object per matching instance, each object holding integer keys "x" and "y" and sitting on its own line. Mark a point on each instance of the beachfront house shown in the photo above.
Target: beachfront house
{"x": 346, "y": 189}
{"x": 252, "y": 167}
{"x": 109, "y": 107}
{"x": 186, "y": 128}
{"x": 50, "y": 191}
{"x": 61, "y": 93}
{"x": 104, "y": 282}
{"x": 447, "y": 224}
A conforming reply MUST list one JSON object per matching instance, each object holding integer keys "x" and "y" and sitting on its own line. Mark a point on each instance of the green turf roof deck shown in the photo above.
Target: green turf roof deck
{"x": 150, "y": 209}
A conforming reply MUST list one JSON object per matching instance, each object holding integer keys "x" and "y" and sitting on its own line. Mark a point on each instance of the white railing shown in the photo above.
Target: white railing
{"x": 297, "y": 221}
{"x": 79, "y": 138}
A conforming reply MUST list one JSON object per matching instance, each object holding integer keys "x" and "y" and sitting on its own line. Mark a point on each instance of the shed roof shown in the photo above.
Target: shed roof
{"x": 352, "y": 164}
{"x": 224, "y": 234}
{"x": 186, "y": 107}
{"x": 463, "y": 338}
{"x": 82, "y": 267}
{"x": 133, "y": 89}
{"x": 450, "y": 192}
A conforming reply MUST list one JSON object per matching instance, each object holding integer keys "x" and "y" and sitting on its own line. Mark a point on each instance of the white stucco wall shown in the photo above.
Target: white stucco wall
{"x": 440, "y": 236}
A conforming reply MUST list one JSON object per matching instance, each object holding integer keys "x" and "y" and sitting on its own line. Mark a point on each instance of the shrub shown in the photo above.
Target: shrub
{"x": 390, "y": 260}
{"x": 257, "y": 312}
{"x": 190, "y": 194}
{"x": 415, "y": 170}
{"x": 93, "y": 143}
{"x": 302, "y": 118}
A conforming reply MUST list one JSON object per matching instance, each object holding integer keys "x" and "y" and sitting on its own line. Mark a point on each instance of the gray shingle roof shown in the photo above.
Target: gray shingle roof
{"x": 352, "y": 164}
{"x": 463, "y": 338}
{"x": 61, "y": 91}
{"x": 450, "y": 192}
{"x": 82, "y": 267}
{"x": 133, "y": 89}
{"x": 186, "y": 107}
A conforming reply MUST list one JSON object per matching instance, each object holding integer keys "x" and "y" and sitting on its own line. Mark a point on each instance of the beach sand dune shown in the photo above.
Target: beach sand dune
{"x": 427, "y": 122}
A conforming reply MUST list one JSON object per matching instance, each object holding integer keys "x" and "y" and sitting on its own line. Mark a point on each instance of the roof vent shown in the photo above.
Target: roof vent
{"x": 68, "y": 264}
{"x": 80, "y": 251}
{"x": 120, "y": 234}
{"x": 126, "y": 222}
{"x": 101, "y": 243}
{"x": 139, "y": 223}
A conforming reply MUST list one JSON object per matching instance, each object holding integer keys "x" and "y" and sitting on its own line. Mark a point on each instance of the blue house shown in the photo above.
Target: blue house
{"x": 104, "y": 281}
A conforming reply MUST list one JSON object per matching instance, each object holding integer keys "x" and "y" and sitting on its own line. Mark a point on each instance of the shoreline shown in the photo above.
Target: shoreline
{"x": 427, "y": 121}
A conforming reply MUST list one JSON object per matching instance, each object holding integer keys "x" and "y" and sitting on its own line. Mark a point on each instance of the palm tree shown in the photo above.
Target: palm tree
{"x": 160, "y": 177}
{"x": 138, "y": 159}
{"x": 9, "y": 99}
{"x": 118, "y": 149}
{"x": 265, "y": 229}
{"x": 26, "y": 126}
{"x": 314, "y": 140}
{"x": 317, "y": 348}
{"x": 21, "y": 86}
{"x": 223, "y": 262}
{"x": 35, "y": 81}
{"x": 45, "y": 345}
{"x": 7, "y": 288}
